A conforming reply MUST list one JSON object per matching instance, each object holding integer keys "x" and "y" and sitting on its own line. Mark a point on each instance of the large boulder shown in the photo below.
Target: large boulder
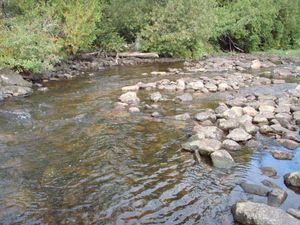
{"x": 250, "y": 213}
{"x": 129, "y": 98}
{"x": 10, "y": 78}
{"x": 239, "y": 134}
{"x": 222, "y": 159}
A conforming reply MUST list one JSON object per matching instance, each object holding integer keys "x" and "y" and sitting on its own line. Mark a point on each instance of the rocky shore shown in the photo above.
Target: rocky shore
{"x": 235, "y": 123}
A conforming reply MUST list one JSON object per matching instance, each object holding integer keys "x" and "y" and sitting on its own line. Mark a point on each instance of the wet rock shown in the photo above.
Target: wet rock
{"x": 183, "y": 117}
{"x": 158, "y": 73}
{"x": 292, "y": 179}
{"x": 253, "y": 144}
{"x": 131, "y": 88}
{"x": 207, "y": 115}
{"x": 250, "y": 213}
{"x": 268, "y": 171}
{"x": 231, "y": 145}
{"x": 43, "y": 89}
{"x": 255, "y": 189}
{"x": 129, "y": 98}
{"x": 222, "y": 159}
{"x": 205, "y": 146}
{"x": 290, "y": 144}
{"x": 156, "y": 96}
{"x": 239, "y": 134}
{"x": 185, "y": 97}
{"x": 294, "y": 212}
{"x": 276, "y": 197}
{"x": 282, "y": 155}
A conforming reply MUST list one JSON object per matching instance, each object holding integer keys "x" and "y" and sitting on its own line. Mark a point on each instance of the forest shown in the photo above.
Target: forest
{"x": 37, "y": 34}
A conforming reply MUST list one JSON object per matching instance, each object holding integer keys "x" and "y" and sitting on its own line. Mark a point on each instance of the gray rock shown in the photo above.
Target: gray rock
{"x": 292, "y": 179}
{"x": 211, "y": 87}
{"x": 270, "y": 184}
{"x": 196, "y": 85}
{"x": 156, "y": 96}
{"x": 233, "y": 113}
{"x": 221, "y": 108}
{"x": 296, "y": 116}
{"x": 183, "y": 117}
{"x": 207, "y": 115}
{"x": 231, "y": 145}
{"x": 255, "y": 189}
{"x": 16, "y": 90}
{"x": 294, "y": 212}
{"x": 282, "y": 155}
{"x": 213, "y": 132}
{"x": 260, "y": 119}
{"x": 239, "y": 134}
{"x": 129, "y": 98}
{"x": 276, "y": 197}
{"x": 205, "y": 146}
{"x": 187, "y": 97}
{"x": 222, "y": 159}
{"x": 134, "y": 110}
{"x": 155, "y": 114}
{"x": 131, "y": 88}
{"x": 250, "y": 128}
{"x": 11, "y": 78}
{"x": 180, "y": 85}
{"x": 268, "y": 171}
{"x": 256, "y": 64}
{"x": 228, "y": 124}
{"x": 248, "y": 110}
{"x": 250, "y": 213}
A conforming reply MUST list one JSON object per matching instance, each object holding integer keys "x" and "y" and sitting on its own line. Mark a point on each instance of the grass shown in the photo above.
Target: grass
{"x": 294, "y": 52}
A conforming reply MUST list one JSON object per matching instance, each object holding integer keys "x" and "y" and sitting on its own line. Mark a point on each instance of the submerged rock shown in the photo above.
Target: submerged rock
{"x": 268, "y": 171}
{"x": 294, "y": 212}
{"x": 255, "y": 189}
{"x": 250, "y": 213}
{"x": 282, "y": 155}
{"x": 205, "y": 146}
{"x": 276, "y": 197}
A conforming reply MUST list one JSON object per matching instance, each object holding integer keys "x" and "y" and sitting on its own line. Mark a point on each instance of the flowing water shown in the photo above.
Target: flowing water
{"x": 68, "y": 157}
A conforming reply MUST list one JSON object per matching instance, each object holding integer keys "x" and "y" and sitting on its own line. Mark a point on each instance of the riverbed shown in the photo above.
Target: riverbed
{"x": 69, "y": 157}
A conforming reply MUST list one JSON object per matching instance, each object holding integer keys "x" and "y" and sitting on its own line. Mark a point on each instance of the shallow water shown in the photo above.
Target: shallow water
{"x": 67, "y": 157}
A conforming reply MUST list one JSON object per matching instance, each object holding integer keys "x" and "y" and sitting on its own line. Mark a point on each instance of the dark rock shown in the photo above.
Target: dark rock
{"x": 282, "y": 155}
{"x": 292, "y": 179}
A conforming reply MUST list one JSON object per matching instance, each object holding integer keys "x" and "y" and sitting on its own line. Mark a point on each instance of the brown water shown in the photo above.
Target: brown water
{"x": 67, "y": 157}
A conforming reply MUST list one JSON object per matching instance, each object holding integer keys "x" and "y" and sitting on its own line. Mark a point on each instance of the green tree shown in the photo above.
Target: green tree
{"x": 181, "y": 28}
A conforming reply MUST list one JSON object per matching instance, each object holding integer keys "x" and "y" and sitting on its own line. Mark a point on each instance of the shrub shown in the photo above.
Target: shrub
{"x": 179, "y": 29}
{"x": 28, "y": 45}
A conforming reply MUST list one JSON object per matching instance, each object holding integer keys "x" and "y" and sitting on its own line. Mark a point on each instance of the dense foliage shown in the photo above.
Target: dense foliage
{"x": 36, "y": 34}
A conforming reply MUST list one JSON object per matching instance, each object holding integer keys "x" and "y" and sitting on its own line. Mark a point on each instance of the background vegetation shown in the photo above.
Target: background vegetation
{"x": 37, "y": 34}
